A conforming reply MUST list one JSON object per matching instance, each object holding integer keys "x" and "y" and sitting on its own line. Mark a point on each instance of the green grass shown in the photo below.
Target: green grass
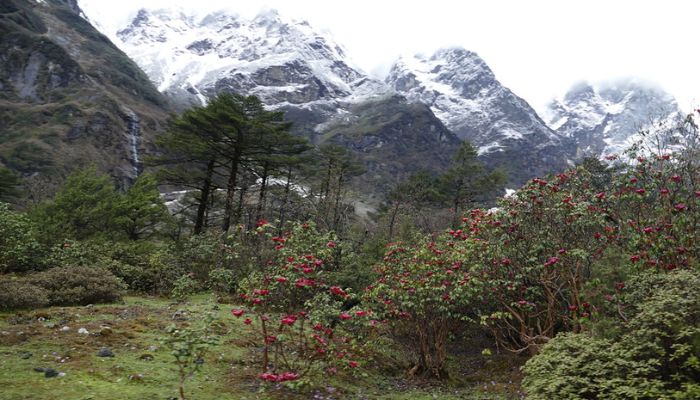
{"x": 229, "y": 371}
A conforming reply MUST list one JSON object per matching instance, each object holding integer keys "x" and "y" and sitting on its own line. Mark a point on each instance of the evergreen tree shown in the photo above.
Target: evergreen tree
{"x": 467, "y": 182}
{"x": 140, "y": 210}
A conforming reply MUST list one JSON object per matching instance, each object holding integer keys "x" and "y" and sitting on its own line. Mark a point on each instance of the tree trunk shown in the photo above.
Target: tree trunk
{"x": 261, "y": 197}
{"x": 204, "y": 199}
{"x": 285, "y": 199}
{"x": 231, "y": 191}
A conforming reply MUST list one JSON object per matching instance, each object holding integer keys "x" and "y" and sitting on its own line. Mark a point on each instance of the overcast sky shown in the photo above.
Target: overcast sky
{"x": 537, "y": 48}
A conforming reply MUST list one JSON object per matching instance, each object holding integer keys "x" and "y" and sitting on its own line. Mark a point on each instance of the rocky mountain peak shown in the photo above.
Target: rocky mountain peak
{"x": 607, "y": 119}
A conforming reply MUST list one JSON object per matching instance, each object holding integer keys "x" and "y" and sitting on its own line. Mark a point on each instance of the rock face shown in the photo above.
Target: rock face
{"x": 464, "y": 93}
{"x": 607, "y": 120}
{"x": 64, "y": 89}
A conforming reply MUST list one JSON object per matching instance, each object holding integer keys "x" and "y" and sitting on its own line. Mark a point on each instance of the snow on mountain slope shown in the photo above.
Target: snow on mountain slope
{"x": 282, "y": 62}
{"x": 463, "y": 92}
{"x": 608, "y": 120}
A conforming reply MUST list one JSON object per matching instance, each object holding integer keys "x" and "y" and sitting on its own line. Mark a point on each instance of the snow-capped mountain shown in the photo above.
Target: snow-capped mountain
{"x": 282, "y": 62}
{"x": 607, "y": 120}
{"x": 464, "y": 93}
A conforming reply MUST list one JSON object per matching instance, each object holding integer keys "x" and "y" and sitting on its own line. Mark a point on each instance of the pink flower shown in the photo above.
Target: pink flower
{"x": 360, "y": 313}
{"x": 281, "y": 279}
{"x": 680, "y": 206}
{"x": 288, "y": 376}
{"x": 266, "y": 376}
{"x": 640, "y": 191}
{"x": 648, "y": 229}
{"x": 551, "y": 261}
{"x": 345, "y": 316}
{"x": 676, "y": 178}
{"x": 262, "y": 222}
{"x": 664, "y": 191}
{"x": 248, "y": 321}
{"x": 331, "y": 244}
{"x": 289, "y": 320}
{"x": 635, "y": 258}
{"x": 353, "y": 364}
{"x": 270, "y": 339}
{"x": 237, "y": 312}
{"x": 600, "y": 195}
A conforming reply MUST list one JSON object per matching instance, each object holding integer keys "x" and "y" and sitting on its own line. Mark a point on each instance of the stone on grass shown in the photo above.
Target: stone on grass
{"x": 105, "y": 352}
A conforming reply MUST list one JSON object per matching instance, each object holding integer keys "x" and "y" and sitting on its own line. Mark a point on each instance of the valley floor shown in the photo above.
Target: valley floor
{"x": 141, "y": 368}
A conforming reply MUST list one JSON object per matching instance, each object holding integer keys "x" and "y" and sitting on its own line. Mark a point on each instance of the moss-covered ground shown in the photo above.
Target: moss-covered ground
{"x": 142, "y": 367}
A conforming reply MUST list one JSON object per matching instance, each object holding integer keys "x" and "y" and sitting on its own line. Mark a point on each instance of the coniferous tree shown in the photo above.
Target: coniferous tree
{"x": 467, "y": 182}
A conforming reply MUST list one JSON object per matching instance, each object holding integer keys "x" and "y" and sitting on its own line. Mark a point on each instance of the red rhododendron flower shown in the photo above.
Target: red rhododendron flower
{"x": 331, "y": 244}
{"x": 360, "y": 313}
{"x": 635, "y": 258}
{"x": 288, "y": 376}
{"x": 281, "y": 279}
{"x": 640, "y": 191}
{"x": 289, "y": 320}
{"x": 337, "y": 291}
{"x": 237, "y": 312}
{"x": 551, "y": 261}
{"x": 262, "y": 222}
{"x": 266, "y": 376}
{"x": 270, "y": 339}
{"x": 676, "y": 178}
{"x": 680, "y": 206}
{"x": 345, "y": 316}
{"x": 353, "y": 364}
{"x": 248, "y": 321}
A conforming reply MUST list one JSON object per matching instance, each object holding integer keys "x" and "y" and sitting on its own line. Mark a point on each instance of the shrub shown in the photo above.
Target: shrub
{"x": 17, "y": 294}
{"x": 296, "y": 313}
{"x": 658, "y": 356}
{"x": 184, "y": 287}
{"x": 19, "y": 248}
{"x": 79, "y": 285}
{"x": 426, "y": 293}
{"x": 222, "y": 281}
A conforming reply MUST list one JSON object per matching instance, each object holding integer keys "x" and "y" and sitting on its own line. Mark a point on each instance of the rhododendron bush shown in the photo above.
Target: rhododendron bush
{"x": 425, "y": 293}
{"x": 294, "y": 314}
{"x": 542, "y": 246}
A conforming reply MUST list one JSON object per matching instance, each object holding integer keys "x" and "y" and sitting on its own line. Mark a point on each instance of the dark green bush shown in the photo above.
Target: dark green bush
{"x": 79, "y": 285}
{"x": 657, "y": 357}
{"x": 18, "y": 294}
{"x": 19, "y": 248}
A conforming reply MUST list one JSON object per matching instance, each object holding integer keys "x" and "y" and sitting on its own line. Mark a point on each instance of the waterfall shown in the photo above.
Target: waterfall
{"x": 134, "y": 130}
